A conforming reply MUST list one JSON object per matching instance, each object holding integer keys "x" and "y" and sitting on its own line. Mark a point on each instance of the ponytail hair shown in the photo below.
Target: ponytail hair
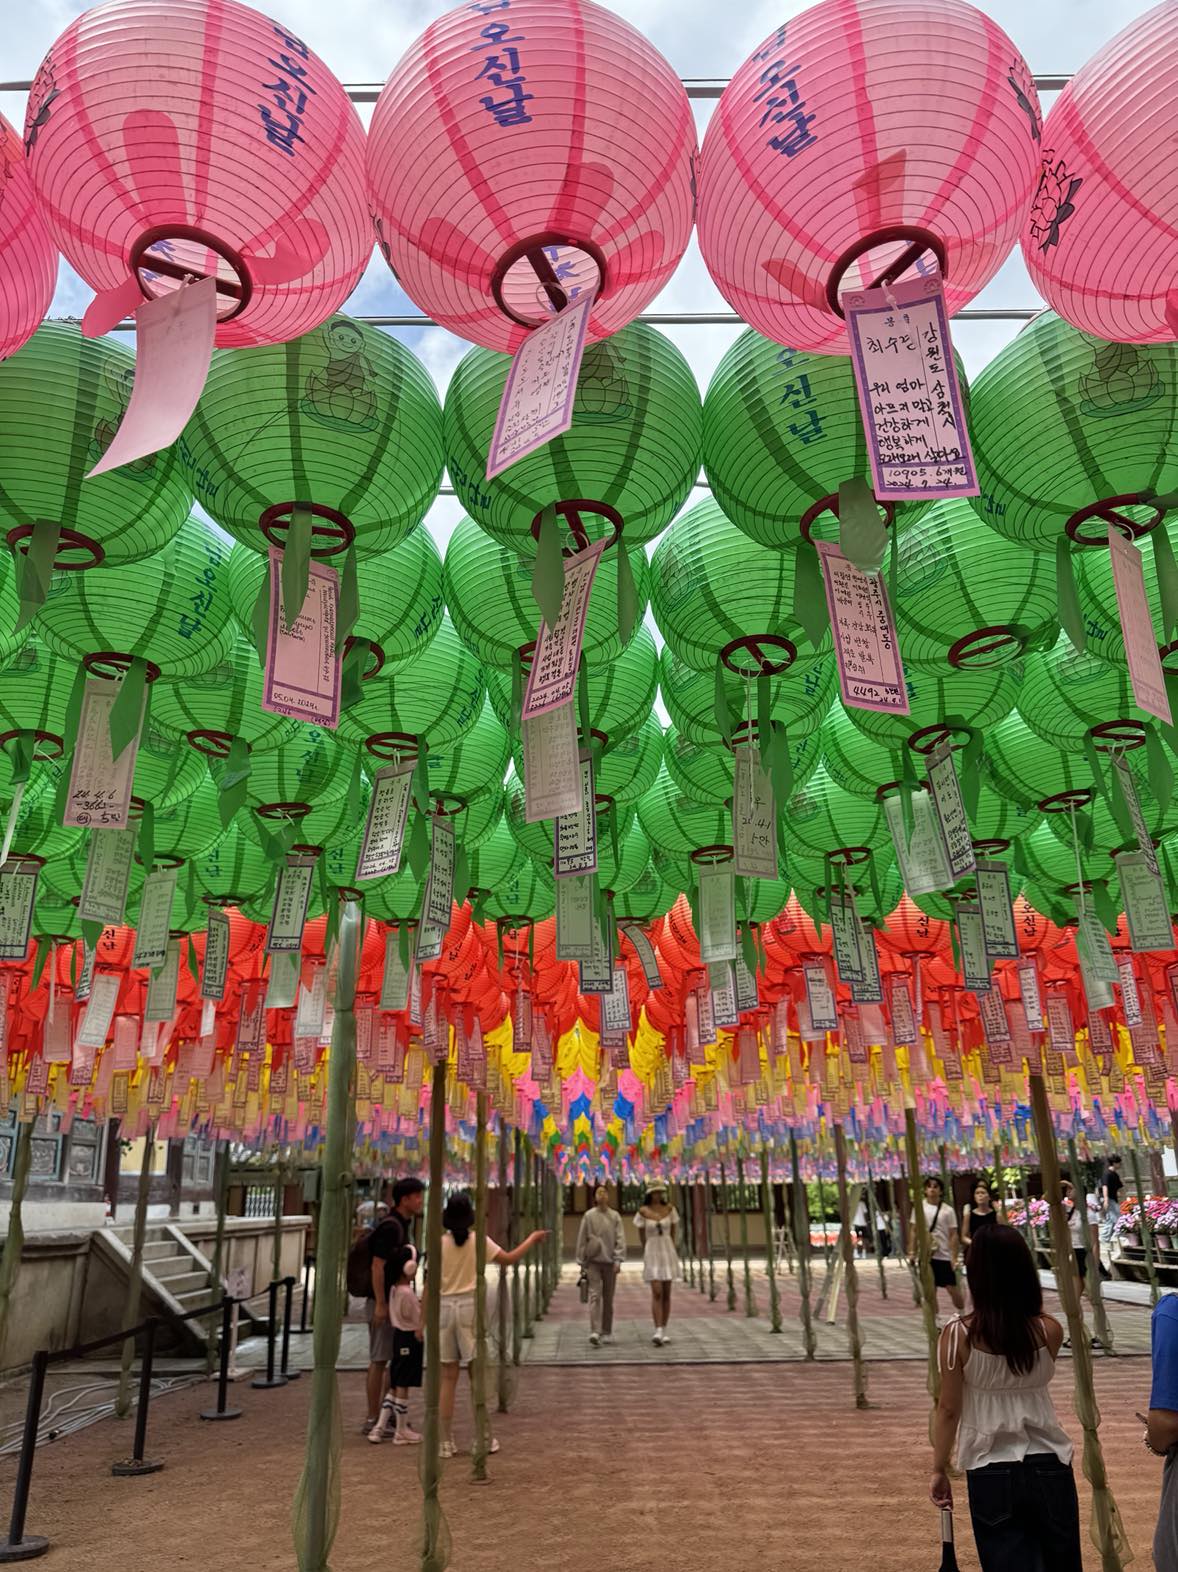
{"x": 458, "y": 1217}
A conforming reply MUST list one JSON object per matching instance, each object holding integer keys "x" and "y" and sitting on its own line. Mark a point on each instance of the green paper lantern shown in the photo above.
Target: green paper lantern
{"x": 939, "y": 705}
{"x": 676, "y": 823}
{"x": 312, "y": 768}
{"x": 188, "y": 829}
{"x": 760, "y": 900}
{"x": 190, "y": 913}
{"x": 715, "y": 593}
{"x": 855, "y": 762}
{"x": 11, "y": 643}
{"x": 1068, "y": 695}
{"x": 528, "y": 894}
{"x": 627, "y": 771}
{"x": 822, "y": 818}
{"x": 396, "y": 899}
{"x": 171, "y": 609}
{"x": 343, "y": 421}
{"x": 812, "y": 874}
{"x": 647, "y": 898}
{"x": 535, "y": 837}
{"x": 439, "y": 698}
{"x": 261, "y": 906}
{"x": 489, "y": 597}
{"x": 633, "y": 449}
{"x": 621, "y": 691}
{"x": 35, "y": 690}
{"x": 782, "y": 431}
{"x": 703, "y": 774}
{"x": 472, "y": 766}
{"x": 55, "y": 920}
{"x": 234, "y": 869}
{"x": 165, "y": 775}
{"x": 1028, "y": 771}
{"x": 1104, "y": 636}
{"x": 1107, "y": 834}
{"x": 967, "y": 596}
{"x": 478, "y": 821}
{"x": 212, "y": 708}
{"x": 799, "y": 698}
{"x": 1049, "y": 859}
{"x": 38, "y": 831}
{"x": 62, "y": 398}
{"x": 495, "y": 860}
{"x": 618, "y": 873}
{"x": 399, "y": 593}
{"x": 998, "y": 818}
{"x": 1061, "y": 422}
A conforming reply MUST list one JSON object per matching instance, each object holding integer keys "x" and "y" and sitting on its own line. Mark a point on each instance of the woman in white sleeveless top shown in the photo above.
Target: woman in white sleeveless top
{"x": 996, "y": 1367}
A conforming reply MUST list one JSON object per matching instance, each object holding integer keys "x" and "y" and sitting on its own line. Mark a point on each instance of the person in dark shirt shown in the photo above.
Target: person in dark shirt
{"x": 1161, "y": 1427}
{"x": 389, "y": 1246}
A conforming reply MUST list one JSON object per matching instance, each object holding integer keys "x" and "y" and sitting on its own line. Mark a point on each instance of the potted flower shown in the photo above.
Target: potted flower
{"x": 1127, "y": 1227}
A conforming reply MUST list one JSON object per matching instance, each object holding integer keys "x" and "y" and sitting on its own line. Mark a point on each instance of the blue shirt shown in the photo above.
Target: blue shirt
{"x": 1163, "y": 1337}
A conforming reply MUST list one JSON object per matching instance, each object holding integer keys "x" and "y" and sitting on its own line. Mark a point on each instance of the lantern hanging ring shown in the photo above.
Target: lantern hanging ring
{"x": 919, "y": 241}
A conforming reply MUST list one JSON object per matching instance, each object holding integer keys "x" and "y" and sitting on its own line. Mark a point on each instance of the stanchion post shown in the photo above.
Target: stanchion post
{"x": 287, "y": 1373}
{"x": 307, "y": 1260}
{"x": 221, "y": 1411}
{"x": 271, "y": 1378}
{"x": 137, "y": 1464}
{"x": 18, "y": 1547}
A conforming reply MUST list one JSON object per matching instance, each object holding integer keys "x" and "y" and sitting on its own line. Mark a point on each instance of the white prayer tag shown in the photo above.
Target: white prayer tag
{"x": 552, "y": 764}
{"x": 292, "y": 895}
{"x": 754, "y": 818}
{"x": 575, "y": 834}
{"x": 155, "y": 918}
{"x": 993, "y": 885}
{"x": 384, "y": 828}
{"x": 552, "y": 677}
{"x": 541, "y": 386}
{"x": 946, "y": 790}
{"x": 867, "y": 652}
{"x": 100, "y": 785}
{"x": 439, "y": 891}
{"x": 1147, "y": 911}
{"x": 161, "y": 986}
{"x": 18, "y": 893}
{"x": 975, "y": 963}
{"x": 302, "y": 675}
{"x": 215, "y": 970}
{"x": 717, "y": 913}
{"x": 574, "y": 918}
{"x": 922, "y": 857}
{"x": 108, "y": 876}
{"x": 95, "y": 1025}
{"x": 394, "y": 988}
{"x": 820, "y": 997}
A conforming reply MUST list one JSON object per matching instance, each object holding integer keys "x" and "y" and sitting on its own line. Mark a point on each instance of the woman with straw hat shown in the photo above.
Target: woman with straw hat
{"x": 656, "y": 1221}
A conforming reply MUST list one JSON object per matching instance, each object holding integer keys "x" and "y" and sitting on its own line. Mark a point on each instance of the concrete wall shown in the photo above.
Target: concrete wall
{"x": 249, "y": 1243}
{"x": 46, "y": 1306}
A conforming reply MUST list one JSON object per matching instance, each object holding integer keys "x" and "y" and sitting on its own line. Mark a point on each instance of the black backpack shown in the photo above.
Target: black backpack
{"x": 359, "y": 1272}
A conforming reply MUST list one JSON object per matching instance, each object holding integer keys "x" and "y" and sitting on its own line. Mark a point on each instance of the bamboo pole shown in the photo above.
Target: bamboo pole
{"x": 998, "y": 1184}
{"x": 767, "y": 1204}
{"x": 709, "y": 1212}
{"x": 527, "y": 1223}
{"x": 1151, "y": 1269}
{"x": 1105, "y": 1526}
{"x": 802, "y": 1237}
{"x": 504, "y": 1377}
{"x": 1095, "y": 1291}
{"x": 135, "y": 1277}
{"x": 872, "y": 1224}
{"x": 10, "y": 1262}
{"x": 218, "y": 1274}
{"x": 517, "y": 1220}
{"x": 826, "y": 1250}
{"x": 850, "y": 1273}
{"x": 727, "y": 1238}
{"x": 434, "y": 1537}
{"x": 750, "y": 1300}
{"x": 478, "y": 1374}
{"x": 924, "y": 1263}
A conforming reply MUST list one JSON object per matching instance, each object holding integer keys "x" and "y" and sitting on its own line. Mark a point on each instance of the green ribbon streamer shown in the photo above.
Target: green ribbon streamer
{"x": 1166, "y": 569}
{"x": 1171, "y": 879}
{"x": 1104, "y": 905}
{"x": 748, "y": 949}
{"x": 1092, "y": 754}
{"x": 970, "y": 774}
{"x": 627, "y": 594}
{"x": 145, "y": 844}
{"x": 348, "y": 609}
{"x": 1119, "y": 807}
{"x": 584, "y": 719}
{"x": 296, "y": 565}
{"x": 91, "y": 932}
{"x": 461, "y": 873}
{"x": 43, "y": 950}
{"x": 419, "y": 847}
{"x": 809, "y": 607}
{"x": 34, "y": 570}
{"x": 355, "y": 794}
{"x": 355, "y": 664}
{"x": 548, "y": 568}
{"x": 1170, "y": 733}
{"x": 863, "y": 536}
{"x": 21, "y": 753}
{"x": 1070, "y": 616}
{"x": 128, "y": 705}
{"x": 517, "y": 691}
{"x": 260, "y": 618}
{"x": 190, "y": 885}
{"x": 764, "y": 718}
{"x": 193, "y": 967}
{"x": 1158, "y": 768}
{"x": 894, "y": 569}
{"x": 333, "y": 908}
{"x": 909, "y": 785}
{"x": 233, "y": 785}
{"x": 953, "y": 940}
{"x": 720, "y": 706}
{"x": 403, "y": 945}
{"x": 421, "y": 776}
{"x": 778, "y": 764}
{"x": 1085, "y": 830}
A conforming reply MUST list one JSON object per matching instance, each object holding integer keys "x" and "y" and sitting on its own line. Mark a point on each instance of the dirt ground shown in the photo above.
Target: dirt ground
{"x": 718, "y": 1468}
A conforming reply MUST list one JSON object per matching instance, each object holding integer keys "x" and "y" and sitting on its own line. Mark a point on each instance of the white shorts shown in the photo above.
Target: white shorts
{"x": 456, "y": 1340}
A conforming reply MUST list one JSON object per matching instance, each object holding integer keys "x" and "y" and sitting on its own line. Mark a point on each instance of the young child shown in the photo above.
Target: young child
{"x": 408, "y": 1357}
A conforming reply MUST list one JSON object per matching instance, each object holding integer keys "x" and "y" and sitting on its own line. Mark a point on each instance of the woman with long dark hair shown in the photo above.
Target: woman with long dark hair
{"x": 459, "y": 1275}
{"x": 996, "y": 1366}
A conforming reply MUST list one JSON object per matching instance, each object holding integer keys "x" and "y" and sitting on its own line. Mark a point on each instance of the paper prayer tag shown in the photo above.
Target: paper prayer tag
{"x": 867, "y": 651}
{"x": 552, "y": 676}
{"x": 541, "y": 386}
{"x": 302, "y": 676}
{"x": 99, "y": 792}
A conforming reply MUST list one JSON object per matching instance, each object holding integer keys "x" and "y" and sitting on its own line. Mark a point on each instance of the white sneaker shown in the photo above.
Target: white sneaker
{"x": 607, "y": 1339}
{"x": 666, "y": 1337}
{"x": 594, "y": 1339}
{"x": 447, "y": 1449}
{"x": 658, "y": 1336}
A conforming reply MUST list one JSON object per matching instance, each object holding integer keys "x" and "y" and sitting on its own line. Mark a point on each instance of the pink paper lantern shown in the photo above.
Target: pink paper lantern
{"x": 1099, "y": 239}
{"x": 861, "y": 136}
{"x": 28, "y": 258}
{"x": 524, "y": 151}
{"x": 193, "y": 137}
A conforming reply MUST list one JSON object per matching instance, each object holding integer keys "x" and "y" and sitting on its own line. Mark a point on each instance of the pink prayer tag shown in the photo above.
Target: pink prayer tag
{"x": 537, "y": 402}
{"x": 553, "y": 675}
{"x": 173, "y": 348}
{"x": 871, "y": 673}
{"x": 911, "y": 403}
{"x": 302, "y": 663}
{"x": 1141, "y": 646}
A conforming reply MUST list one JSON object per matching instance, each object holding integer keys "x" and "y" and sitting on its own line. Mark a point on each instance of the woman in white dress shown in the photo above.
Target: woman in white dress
{"x": 656, "y": 1222}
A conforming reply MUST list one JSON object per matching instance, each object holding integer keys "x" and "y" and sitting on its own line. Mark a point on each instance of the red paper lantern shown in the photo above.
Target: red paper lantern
{"x": 524, "y": 151}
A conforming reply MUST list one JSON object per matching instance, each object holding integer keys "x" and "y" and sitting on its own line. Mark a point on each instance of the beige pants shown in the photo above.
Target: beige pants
{"x": 603, "y": 1278}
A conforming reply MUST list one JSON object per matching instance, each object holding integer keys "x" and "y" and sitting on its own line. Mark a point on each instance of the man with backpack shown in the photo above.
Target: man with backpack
{"x": 383, "y": 1252}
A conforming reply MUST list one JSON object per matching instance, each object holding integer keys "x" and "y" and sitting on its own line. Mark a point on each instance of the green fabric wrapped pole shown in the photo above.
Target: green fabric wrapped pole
{"x": 873, "y": 1224}
{"x": 802, "y": 1236}
{"x": 998, "y": 1184}
{"x": 711, "y": 1246}
{"x": 770, "y": 1261}
{"x": 135, "y": 1275}
{"x": 316, "y": 1504}
{"x": 517, "y": 1220}
{"x": 276, "y": 1240}
{"x": 15, "y": 1238}
{"x": 826, "y": 1250}
{"x": 504, "y": 1382}
{"x": 851, "y": 1276}
{"x": 750, "y": 1302}
{"x": 727, "y": 1238}
{"x": 924, "y": 1258}
{"x": 435, "y": 1535}
{"x": 685, "y": 1240}
{"x": 528, "y": 1223}
{"x": 218, "y": 1273}
{"x": 478, "y": 1373}
{"x": 1151, "y": 1268}
{"x": 1105, "y": 1527}
{"x": 1100, "y": 1321}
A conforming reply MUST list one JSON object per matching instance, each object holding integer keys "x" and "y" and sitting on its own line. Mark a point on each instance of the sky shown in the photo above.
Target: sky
{"x": 363, "y": 39}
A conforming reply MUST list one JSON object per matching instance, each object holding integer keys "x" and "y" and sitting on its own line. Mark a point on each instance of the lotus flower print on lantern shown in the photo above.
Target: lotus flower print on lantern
{"x": 1099, "y": 237}
{"x": 198, "y": 138}
{"x": 523, "y": 152}
{"x": 28, "y": 257}
{"x": 829, "y": 164}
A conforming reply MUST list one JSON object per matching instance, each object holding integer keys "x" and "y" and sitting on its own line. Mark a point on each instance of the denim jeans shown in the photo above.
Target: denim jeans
{"x": 1026, "y": 1517}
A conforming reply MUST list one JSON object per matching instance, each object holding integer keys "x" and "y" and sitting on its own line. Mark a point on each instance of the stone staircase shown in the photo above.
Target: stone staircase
{"x": 176, "y": 1277}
